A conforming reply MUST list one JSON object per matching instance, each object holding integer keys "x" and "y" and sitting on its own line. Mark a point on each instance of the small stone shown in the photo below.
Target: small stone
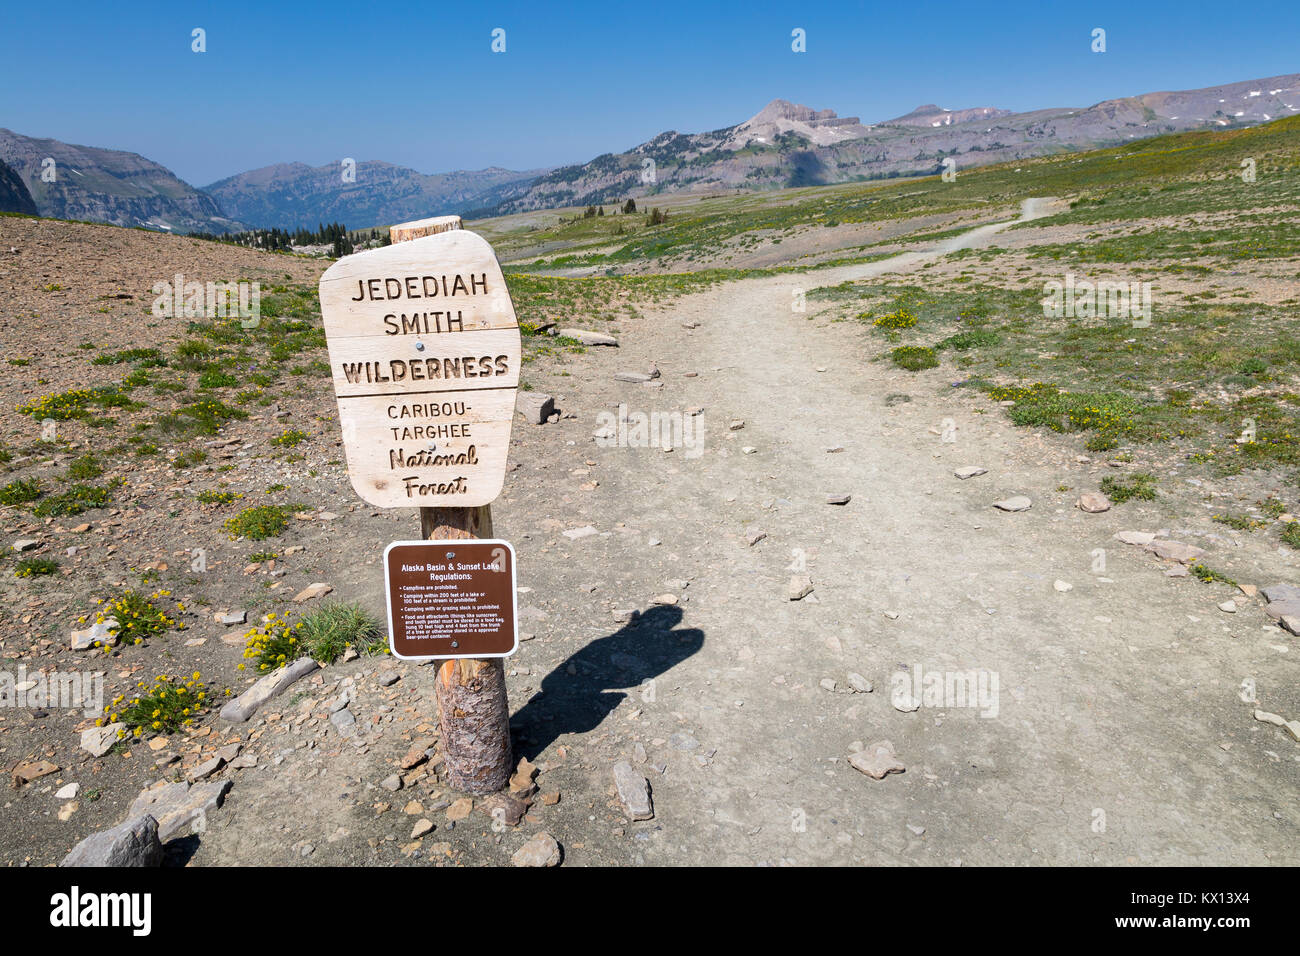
{"x": 205, "y": 770}
{"x": 422, "y": 826}
{"x": 1062, "y": 586}
{"x": 633, "y": 792}
{"x": 586, "y": 531}
{"x": 668, "y": 599}
{"x": 860, "y": 684}
{"x": 392, "y": 782}
{"x": 838, "y": 499}
{"x": 344, "y": 721}
{"x": 232, "y": 617}
{"x": 535, "y": 407}
{"x": 98, "y": 633}
{"x": 460, "y": 809}
{"x": 30, "y": 770}
{"x": 638, "y": 377}
{"x": 67, "y": 792}
{"x": 1014, "y": 503}
{"x": 877, "y": 760}
{"x": 540, "y": 851}
{"x": 587, "y": 337}
{"x": 970, "y": 471}
{"x": 736, "y": 425}
{"x": 97, "y": 741}
{"x": 1139, "y": 538}
{"x": 25, "y": 544}
{"x": 827, "y": 683}
{"x": 1228, "y": 607}
{"x": 1169, "y": 550}
{"x": 133, "y": 843}
{"x": 755, "y": 537}
{"x": 312, "y": 591}
{"x": 800, "y": 587}
{"x": 1093, "y": 502}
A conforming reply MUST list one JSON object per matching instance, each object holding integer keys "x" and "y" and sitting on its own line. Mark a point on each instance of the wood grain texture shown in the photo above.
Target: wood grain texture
{"x": 411, "y": 328}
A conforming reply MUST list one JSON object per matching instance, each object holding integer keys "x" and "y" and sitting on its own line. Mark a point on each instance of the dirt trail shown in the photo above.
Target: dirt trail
{"x": 1118, "y": 734}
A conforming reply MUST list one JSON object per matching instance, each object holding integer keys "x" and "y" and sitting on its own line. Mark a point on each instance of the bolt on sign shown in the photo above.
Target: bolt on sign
{"x": 449, "y": 599}
{"x": 424, "y": 351}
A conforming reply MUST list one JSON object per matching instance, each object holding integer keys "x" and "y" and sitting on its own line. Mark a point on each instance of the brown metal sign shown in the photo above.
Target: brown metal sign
{"x": 450, "y": 599}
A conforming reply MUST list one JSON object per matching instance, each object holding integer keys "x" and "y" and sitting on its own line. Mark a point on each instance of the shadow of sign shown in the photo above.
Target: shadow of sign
{"x": 574, "y": 703}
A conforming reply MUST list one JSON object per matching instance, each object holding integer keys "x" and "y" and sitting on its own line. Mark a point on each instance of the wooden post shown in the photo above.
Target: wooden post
{"x": 473, "y": 711}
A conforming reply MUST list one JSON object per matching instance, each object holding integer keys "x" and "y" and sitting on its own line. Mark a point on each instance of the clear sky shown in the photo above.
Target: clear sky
{"x": 417, "y": 83}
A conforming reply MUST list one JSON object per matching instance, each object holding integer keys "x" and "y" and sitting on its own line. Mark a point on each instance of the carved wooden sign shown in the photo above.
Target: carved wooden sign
{"x": 424, "y": 351}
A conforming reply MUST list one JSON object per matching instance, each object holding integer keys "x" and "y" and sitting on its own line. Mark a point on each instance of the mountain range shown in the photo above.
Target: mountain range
{"x": 784, "y": 144}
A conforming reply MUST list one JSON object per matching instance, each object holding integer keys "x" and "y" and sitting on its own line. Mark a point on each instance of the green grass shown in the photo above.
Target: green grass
{"x": 1138, "y": 485}
{"x": 261, "y": 521}
{"x": 330, "y": 630}
{"x": 20, "y": 491}
{"x": 35, "y": 567}
{"x": 914, "y": 358}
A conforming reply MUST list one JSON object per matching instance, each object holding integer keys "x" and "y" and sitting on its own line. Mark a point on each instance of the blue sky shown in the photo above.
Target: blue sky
{"x": 417, "y": 83}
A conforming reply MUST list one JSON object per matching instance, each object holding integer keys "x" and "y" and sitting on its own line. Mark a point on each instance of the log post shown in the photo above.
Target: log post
{"x": 473, "y": 710}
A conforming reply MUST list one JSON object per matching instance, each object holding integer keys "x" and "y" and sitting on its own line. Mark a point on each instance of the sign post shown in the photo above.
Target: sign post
{"x": 425, "y": 354}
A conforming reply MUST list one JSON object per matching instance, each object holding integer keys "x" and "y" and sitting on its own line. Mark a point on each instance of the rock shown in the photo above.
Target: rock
{"x": 392, "y": 782}
{"x": 574, "y": 534}
{"x": 1291, "y": 622}
{"x": 1014, "y": 503}
{"x": 665, "y": 599}
{"x": 755, "y": 537}
{"x": 98, "y": 633}
{"x": 97, "y": 741}
{"x": 535, "y": 407}
{"x": 633, "y": 792}
{"x": 25, "y": 544}
{"x": 1280, "y": 609}
{"x": 1228, "y": 607}
{"x": 1176, "y": 551}
{"x": 344, "y": 721}
{"x": 683, "y": 741}
{"x": 828, "y": 683}
{"x": 860, "y": 684}
{"x": 205, "y": 769}
{"x": 877, "y": 760}
{"x": 639, "y": 377}
{"x": 68, "y": 791}
{"x": 970, "y": 471}
{"x": 800, "y": 587}
{"x": 838, "y": 499}
{"x": 541, "y": 850}
{"x": 244, "y": 761}
{"x": 312, "y": 591}
{"x": 460, "y": 809}
{"x": 388, "y": 678}
{"x": 247, "y": 703}
{"x": 422, "y": 826}
{"x": 1093, "y": 502}
{"x": 1062, "y": 586}
{"x": 1177, "y": 571}
{"x": 1281, "y": 592}
{"x": 505, "y": 808}
{"x": 1248, "y": 589}
{"x": 736, "y": 425}
{"x": 1266, "y": 717}
{"x": 133, "y": 843}
{"x": 232, "y": 617}
{"x": 587, "y": 337}
{"x": 176, "y": 805}
{"x": 1139, "y": 538}
{"x": 30, "y": 770}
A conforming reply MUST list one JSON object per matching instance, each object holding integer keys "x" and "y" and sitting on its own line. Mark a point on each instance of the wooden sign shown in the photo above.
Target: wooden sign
{"x": 424, "y": 351}
{"x": 449, "y": 599}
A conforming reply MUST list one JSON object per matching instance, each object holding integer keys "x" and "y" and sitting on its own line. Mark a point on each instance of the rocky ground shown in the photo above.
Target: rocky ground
{"x": 729, "y": 629}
